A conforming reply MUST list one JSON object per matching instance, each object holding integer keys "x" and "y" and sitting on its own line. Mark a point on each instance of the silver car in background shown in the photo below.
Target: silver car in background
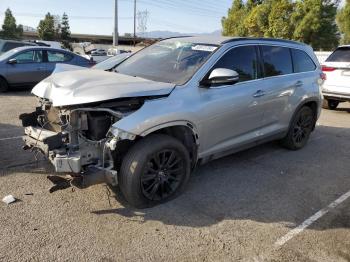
{"x": 171, "y": 106}
{"x": 28, "y": 65}
{"x": 336, "y": 87}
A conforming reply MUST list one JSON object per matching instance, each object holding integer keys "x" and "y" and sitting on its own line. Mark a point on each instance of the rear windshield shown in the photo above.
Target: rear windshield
{"x": 11, "y": 45}
{"x": 341, "y": 54}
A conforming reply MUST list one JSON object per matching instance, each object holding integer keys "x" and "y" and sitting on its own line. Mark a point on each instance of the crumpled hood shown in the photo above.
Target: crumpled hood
{"x": 88, "y": 86}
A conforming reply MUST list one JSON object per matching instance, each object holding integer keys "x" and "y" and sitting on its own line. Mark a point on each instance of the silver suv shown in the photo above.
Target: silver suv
{"x": 171, "y": 106}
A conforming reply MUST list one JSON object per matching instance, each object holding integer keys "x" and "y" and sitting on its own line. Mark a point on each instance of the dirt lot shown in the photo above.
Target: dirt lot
{"x": 234, "y": 209}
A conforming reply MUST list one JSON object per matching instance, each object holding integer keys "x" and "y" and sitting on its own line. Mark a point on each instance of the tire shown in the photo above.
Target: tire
{"x": 300, "y": 129}
{"x": 330, "y": 104}
{"x": 155, "y": 170}
{"x": 3, "y": 85}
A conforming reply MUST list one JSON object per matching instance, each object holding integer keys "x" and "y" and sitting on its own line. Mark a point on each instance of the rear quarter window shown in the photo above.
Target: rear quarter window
{"x": 341, "y": 54}
{"x": 302, "y": 62}
{"x": 277, "y": 60}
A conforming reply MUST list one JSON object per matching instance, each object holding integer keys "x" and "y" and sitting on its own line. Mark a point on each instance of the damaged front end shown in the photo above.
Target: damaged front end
{"x": 80, "y": 140}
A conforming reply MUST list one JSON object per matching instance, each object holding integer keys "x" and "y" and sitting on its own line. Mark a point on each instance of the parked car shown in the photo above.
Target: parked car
{"x": 107, "y": 65}
{"x": 7, "y": 45}
{"x": 29, "y": 65}
{"x": 173, "y": 105}
{"x": 115, "y": 51}
{"x": 336, "y": 88}
{"x": 111, "y": 63}
{"x": 98, "y": 52}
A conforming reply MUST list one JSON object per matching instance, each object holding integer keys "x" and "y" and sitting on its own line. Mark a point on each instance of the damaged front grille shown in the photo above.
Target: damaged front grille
{"x": 71, "y": 138}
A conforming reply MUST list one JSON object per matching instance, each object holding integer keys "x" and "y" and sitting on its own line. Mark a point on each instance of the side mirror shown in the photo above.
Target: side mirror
{"x": 12, "y": 61}
{"x": 221, "y": 76}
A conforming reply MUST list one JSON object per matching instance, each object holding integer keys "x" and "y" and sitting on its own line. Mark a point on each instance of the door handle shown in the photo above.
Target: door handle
{"x": 259, "y": 93}
{"x": 299, "y": 84}
{"x": 40, "y": 68}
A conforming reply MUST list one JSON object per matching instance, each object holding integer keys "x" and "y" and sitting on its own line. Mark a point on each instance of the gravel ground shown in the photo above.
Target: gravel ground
{"x": 234, "y": 208}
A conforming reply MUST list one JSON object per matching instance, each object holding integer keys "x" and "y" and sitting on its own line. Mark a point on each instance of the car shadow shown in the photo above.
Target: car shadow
{"x": 266, "y": 184}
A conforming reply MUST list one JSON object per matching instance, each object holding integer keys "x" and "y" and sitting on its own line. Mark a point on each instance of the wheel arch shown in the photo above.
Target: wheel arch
{"x": 184, "y": 131}
{"x": 313, "y": 103}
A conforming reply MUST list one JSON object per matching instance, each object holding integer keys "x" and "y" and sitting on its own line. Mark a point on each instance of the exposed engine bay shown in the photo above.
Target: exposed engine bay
{"x": 79, "y": 139}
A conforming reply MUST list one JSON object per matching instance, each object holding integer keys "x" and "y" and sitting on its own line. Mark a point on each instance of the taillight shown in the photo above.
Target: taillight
{"x": 328, "y": 69}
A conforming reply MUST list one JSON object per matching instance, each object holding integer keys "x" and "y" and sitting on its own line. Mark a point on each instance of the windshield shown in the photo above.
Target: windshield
{"x": 342, "y": 54}
{"x": 111, "y": 62}
{"x": 7, "y": 54}
{"x": 170, "y": 61}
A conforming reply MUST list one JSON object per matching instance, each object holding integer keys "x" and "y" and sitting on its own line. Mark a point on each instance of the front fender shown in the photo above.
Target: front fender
{"x": 155, "y": 115}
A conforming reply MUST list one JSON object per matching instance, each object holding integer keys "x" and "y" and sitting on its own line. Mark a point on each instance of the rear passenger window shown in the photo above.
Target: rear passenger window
{"x": 54, "y": 56}
{"x": 302, "y": 62}
{"x": 241, "y": 59}
{"x": 277, "y": 60}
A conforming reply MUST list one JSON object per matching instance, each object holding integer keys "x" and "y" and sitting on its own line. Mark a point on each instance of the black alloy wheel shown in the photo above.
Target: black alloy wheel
{"x": 163, "y": 175}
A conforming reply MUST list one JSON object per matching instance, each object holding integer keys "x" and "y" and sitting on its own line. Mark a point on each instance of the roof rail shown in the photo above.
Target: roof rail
{"x": 262, "y": 39}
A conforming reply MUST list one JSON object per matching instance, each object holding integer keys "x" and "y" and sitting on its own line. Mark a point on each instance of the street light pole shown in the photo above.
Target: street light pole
{"x": 115, "y": 33}
{"x": 134, "y": 22}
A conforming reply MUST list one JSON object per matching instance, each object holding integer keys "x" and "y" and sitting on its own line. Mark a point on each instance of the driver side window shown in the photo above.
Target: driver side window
{"x": 243, "y": 60}
{"x": 29, "y": 57}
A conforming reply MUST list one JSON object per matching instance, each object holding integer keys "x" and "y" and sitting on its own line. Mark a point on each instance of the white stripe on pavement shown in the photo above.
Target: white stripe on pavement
{"x": 308, "y": 222}
{"x": 10, "y": 138}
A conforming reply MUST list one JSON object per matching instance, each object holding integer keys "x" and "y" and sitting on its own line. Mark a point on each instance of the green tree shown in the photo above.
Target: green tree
{"x": 233, "y": 24}
{"x": 65, "y": 28}
{"x": 314, "y": 22}
{"x": 10, "y": 30}
{"x": 343, "y": 19}
{"x": 257, "y": 21}
{"x": 46, "y": 28}
{"x": 280, "y": 25}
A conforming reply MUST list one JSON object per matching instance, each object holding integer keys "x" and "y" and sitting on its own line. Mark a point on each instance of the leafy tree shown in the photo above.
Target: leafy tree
{"x": 46, "y": 28}
{"x": 279, "y": 19}
{"x": 343, "y": 19}
{"x": 65, "y": 28}
{"x": 233, "y": 24}
{"x": 257, "y": 21}
{"x": 314, "y": 22}
{"x": 57, "y": 26}
{"x": 9, "y": 28}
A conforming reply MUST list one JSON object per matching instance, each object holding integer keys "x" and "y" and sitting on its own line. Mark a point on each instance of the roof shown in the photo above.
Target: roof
{"x": 38, "y": 47}
{"x": 221, "y": 40}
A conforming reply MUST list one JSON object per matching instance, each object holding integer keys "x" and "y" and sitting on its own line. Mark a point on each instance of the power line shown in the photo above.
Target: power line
{"x": 73, "y": 17}
{"x": 167, "y": 6}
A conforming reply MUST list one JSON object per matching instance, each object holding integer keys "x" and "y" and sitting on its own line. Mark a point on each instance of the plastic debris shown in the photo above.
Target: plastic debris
{"x": 9, "y": 199}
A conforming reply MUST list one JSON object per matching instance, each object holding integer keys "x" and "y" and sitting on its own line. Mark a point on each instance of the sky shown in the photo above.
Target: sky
{"x": 96, "y": 16}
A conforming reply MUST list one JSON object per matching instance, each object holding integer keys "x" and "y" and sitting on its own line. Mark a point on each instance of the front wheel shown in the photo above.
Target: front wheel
{"x": 155, "y": 170}
{"x": 300, "y": 129}
{"x": 330, "y": 104}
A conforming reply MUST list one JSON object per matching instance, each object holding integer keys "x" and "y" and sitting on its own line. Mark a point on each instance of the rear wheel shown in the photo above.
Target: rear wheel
{"x": 330, "y": 104}
{"x": 155, "y": 170}
{"x": 3, "y": 85}
{"x": 300, "y": 129}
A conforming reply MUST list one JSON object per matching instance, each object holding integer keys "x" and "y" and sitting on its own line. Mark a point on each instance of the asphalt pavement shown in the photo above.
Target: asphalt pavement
{"x": 263, "y": 204}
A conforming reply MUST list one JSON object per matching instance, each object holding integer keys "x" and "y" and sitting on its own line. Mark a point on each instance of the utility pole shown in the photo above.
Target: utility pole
{"x": 134, "y": 22}
{"x": 115, "y": 33}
